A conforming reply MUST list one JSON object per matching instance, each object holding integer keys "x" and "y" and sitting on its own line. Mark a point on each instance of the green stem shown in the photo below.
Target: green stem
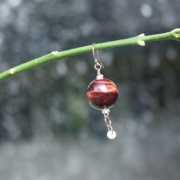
{"x": 137, "y": 40}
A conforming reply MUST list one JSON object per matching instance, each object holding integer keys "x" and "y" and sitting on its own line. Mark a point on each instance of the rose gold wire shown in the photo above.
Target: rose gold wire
{"x": 97, "y": 58}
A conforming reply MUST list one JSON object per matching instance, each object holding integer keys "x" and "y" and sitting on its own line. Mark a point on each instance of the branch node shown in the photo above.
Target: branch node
{"x": 176, "y": 33}
{"x": 54, "y": 53}
{"x": 141, "y": 42}
{"x": 12, "y": 71}
{"x": 141, "y": 35}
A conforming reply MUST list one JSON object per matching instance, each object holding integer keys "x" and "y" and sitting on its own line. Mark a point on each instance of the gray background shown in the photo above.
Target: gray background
{"x": 47, "y": 128}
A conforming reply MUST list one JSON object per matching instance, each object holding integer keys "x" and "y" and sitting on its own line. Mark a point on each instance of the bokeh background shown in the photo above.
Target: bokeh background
{"x": 47, "y": 128}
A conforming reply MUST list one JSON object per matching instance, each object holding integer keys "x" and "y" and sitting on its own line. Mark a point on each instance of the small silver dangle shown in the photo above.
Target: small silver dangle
{"x": 111, "y": 134}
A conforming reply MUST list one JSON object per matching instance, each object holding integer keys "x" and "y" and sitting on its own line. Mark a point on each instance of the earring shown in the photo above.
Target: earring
{"x": 102, "y": 93}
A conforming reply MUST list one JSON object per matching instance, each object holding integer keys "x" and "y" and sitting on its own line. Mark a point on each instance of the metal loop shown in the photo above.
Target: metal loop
{"x": 97, "y": 66}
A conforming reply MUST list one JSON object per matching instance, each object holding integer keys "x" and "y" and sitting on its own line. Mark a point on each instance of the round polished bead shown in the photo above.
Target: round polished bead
{"x": 102, "y": 93}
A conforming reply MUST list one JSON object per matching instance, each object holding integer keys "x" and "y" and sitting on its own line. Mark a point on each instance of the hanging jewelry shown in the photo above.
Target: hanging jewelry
{"x": 102, "y": 93}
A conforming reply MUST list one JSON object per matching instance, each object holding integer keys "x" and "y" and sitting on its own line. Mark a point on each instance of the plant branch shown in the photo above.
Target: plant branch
{"x": 137, "y": 40}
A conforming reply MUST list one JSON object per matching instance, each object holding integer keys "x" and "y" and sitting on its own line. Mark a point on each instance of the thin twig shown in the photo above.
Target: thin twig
{"x": 137, "y": 40}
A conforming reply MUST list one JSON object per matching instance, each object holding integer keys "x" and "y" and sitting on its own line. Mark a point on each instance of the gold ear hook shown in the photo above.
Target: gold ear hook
{"x": 96, "y": 55}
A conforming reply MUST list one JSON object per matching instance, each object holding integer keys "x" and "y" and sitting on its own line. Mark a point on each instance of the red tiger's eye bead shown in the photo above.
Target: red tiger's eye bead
{"x": 102, "y": 93}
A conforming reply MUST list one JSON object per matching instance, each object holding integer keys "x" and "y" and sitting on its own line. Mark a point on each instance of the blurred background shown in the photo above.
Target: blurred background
{"x": 47, "y": 128}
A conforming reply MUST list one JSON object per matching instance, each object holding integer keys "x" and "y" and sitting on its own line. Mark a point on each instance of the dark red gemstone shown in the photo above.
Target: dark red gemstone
{"x": 102, "y": 93}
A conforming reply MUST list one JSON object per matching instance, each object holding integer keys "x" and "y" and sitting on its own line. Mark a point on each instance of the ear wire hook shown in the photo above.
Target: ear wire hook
{"x": 96, "y": 56}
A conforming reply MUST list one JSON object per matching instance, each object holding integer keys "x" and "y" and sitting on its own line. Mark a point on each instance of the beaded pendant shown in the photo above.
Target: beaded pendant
{"x": 102, "y": 93}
